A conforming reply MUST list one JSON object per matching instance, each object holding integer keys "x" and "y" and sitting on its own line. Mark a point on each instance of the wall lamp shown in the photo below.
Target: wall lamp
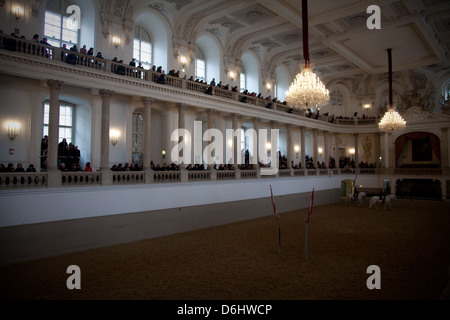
{"x": 116, "y": 41}
{"x": 232, "y": 75}
{"x": 18, "y": 12}
{"x": 13, "y": 130}
{"x": 114, "y": 135}
{"x": 183, "y": 61}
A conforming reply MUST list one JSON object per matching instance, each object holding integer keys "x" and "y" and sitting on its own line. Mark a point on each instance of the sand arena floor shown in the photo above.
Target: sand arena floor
{"x": 410, "y": 243}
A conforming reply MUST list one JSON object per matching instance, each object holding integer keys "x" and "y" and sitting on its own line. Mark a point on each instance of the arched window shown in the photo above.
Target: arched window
{"x": 243, "y": 80}
{"x": 142, "y": 47}
{"x": 58, "y": 28}
{"x": 336, "y": 98}
{"x": 200, "y": 65}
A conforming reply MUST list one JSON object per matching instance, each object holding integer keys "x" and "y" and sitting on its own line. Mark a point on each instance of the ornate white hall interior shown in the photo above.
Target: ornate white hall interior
{"x": 119, "y": 112}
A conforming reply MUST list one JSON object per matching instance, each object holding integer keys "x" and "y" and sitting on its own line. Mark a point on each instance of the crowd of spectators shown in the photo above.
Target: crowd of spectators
{"x": 126, "y": 167}
{"x": 19, "y": 168}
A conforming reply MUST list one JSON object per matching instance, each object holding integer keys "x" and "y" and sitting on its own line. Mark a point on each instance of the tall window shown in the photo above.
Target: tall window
{"x": 58, "y": 31}
{"x": 142, "y": 47}
{"x": 243, "y": 81}
{"x": 65, "y": 121}
{"x": 336, "y": 98}
{"x": 200, "y": 65}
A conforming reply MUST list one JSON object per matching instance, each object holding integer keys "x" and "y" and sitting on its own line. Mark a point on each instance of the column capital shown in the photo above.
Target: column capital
{"x": 182, "y": 106}
{"x": 55, "y": 84}
{"x": 147, "y": 101}
{"x": 106, "y": 93}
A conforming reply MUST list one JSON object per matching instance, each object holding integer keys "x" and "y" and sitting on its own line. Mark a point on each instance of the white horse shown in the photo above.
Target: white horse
{"x": 388, "y": 200}
{"x": 361, "y": 196}
{"x": 374, "y": 202}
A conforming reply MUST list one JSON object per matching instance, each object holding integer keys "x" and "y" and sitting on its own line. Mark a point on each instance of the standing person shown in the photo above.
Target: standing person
{"x": 247, "y": 158}
{"x": 382, "y": 195}
{"x": 61, "y": 150}
{"x": 44, "y": 149}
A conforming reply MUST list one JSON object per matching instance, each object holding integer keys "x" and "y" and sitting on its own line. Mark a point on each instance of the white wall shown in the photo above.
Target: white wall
{"x": 45, "y": 205}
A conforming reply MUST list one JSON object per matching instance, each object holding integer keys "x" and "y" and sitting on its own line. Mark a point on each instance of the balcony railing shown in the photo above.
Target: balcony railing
{"x": 61, "y": 55}
{"x": 25, "y": 180}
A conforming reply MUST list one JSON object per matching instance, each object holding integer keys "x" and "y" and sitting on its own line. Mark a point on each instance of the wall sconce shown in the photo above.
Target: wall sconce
{"x": 232, "y": 75}
{"x": 268, "y": 86}
{"x": 366, "y": 106}
{"x": 320, "y": 150}
{"x": 183, "y": 61}
{"x": 297, "y": 149}
{"x": 13, "y": 130}
{"x": 163, "y": 154}
{"x": 352, "y": 151}
{"x": 18, "y": 12}
{"x": 116, "y": 41}
{"x": 114, "y": 135}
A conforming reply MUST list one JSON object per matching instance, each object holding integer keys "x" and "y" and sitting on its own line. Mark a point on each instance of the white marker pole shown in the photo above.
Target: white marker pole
{"x": 306, "y": 240}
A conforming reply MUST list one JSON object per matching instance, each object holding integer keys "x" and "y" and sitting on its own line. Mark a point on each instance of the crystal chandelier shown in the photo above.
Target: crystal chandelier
{"x": 306, "y": 91}
{"x": 392, "y": 120}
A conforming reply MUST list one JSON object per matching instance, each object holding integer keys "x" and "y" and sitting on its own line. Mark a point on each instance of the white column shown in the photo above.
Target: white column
{"x": 236, "y": 120}
{"x": 53, "y": 130}
{"x": 255, "y": 141}
{"x": 106, "y": 98}
{"x": 315, "y": 148}
{"x": 289, "y": 146}
{"x": 326, "y": 149}
{"x": 356, "y": 135}
{"x": 211, "y": 119}
{"x": 445, "y": 156}
{"x": 303, "y": 148}
{"x": 147, "y": 101}
{"x": 386, "y": 150}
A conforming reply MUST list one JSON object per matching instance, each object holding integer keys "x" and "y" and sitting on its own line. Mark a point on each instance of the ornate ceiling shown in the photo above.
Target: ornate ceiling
{"x": 340, "y": 43}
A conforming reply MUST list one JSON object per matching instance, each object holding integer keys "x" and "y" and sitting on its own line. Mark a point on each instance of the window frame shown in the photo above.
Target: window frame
{"x": 71, "y": 127}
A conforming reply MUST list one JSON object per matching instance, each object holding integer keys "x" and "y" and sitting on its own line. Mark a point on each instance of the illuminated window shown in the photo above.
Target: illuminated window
{"x": 65, "y": 121}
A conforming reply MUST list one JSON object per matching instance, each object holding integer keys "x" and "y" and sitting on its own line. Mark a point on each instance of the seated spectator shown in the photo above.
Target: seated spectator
{"x": 88, "y": 168}
{"x": 161, "y": 79}
{"x": 19, "y": 168}
{"x": 31, "y": 168}
{"x": 10, "y": 168}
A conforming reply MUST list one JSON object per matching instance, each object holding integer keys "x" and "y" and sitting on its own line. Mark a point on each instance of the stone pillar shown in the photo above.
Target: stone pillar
{"x": 336, "y": 149}
{"x": 377, "y": 151}
{"x": 356, "y": 135}
{"x": 106, "y": 114}
{"x": 182, "y": 125}
{"x": 445, "y": 149}
{"x": 315, "y": 148}
{"x": 289, "y": 146}
{"x": 53, "y": 129}
{"x": 236, "y": 120}
{"x": 54, "y": 175}
{"x": 326, "y": 148}
{"x": 302, "y": 148}
{"x": 147, "y": 102}
{"x": 256, "y": 142}
{"x": 386, "y": 150}
{"x": 211, "y": 115}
